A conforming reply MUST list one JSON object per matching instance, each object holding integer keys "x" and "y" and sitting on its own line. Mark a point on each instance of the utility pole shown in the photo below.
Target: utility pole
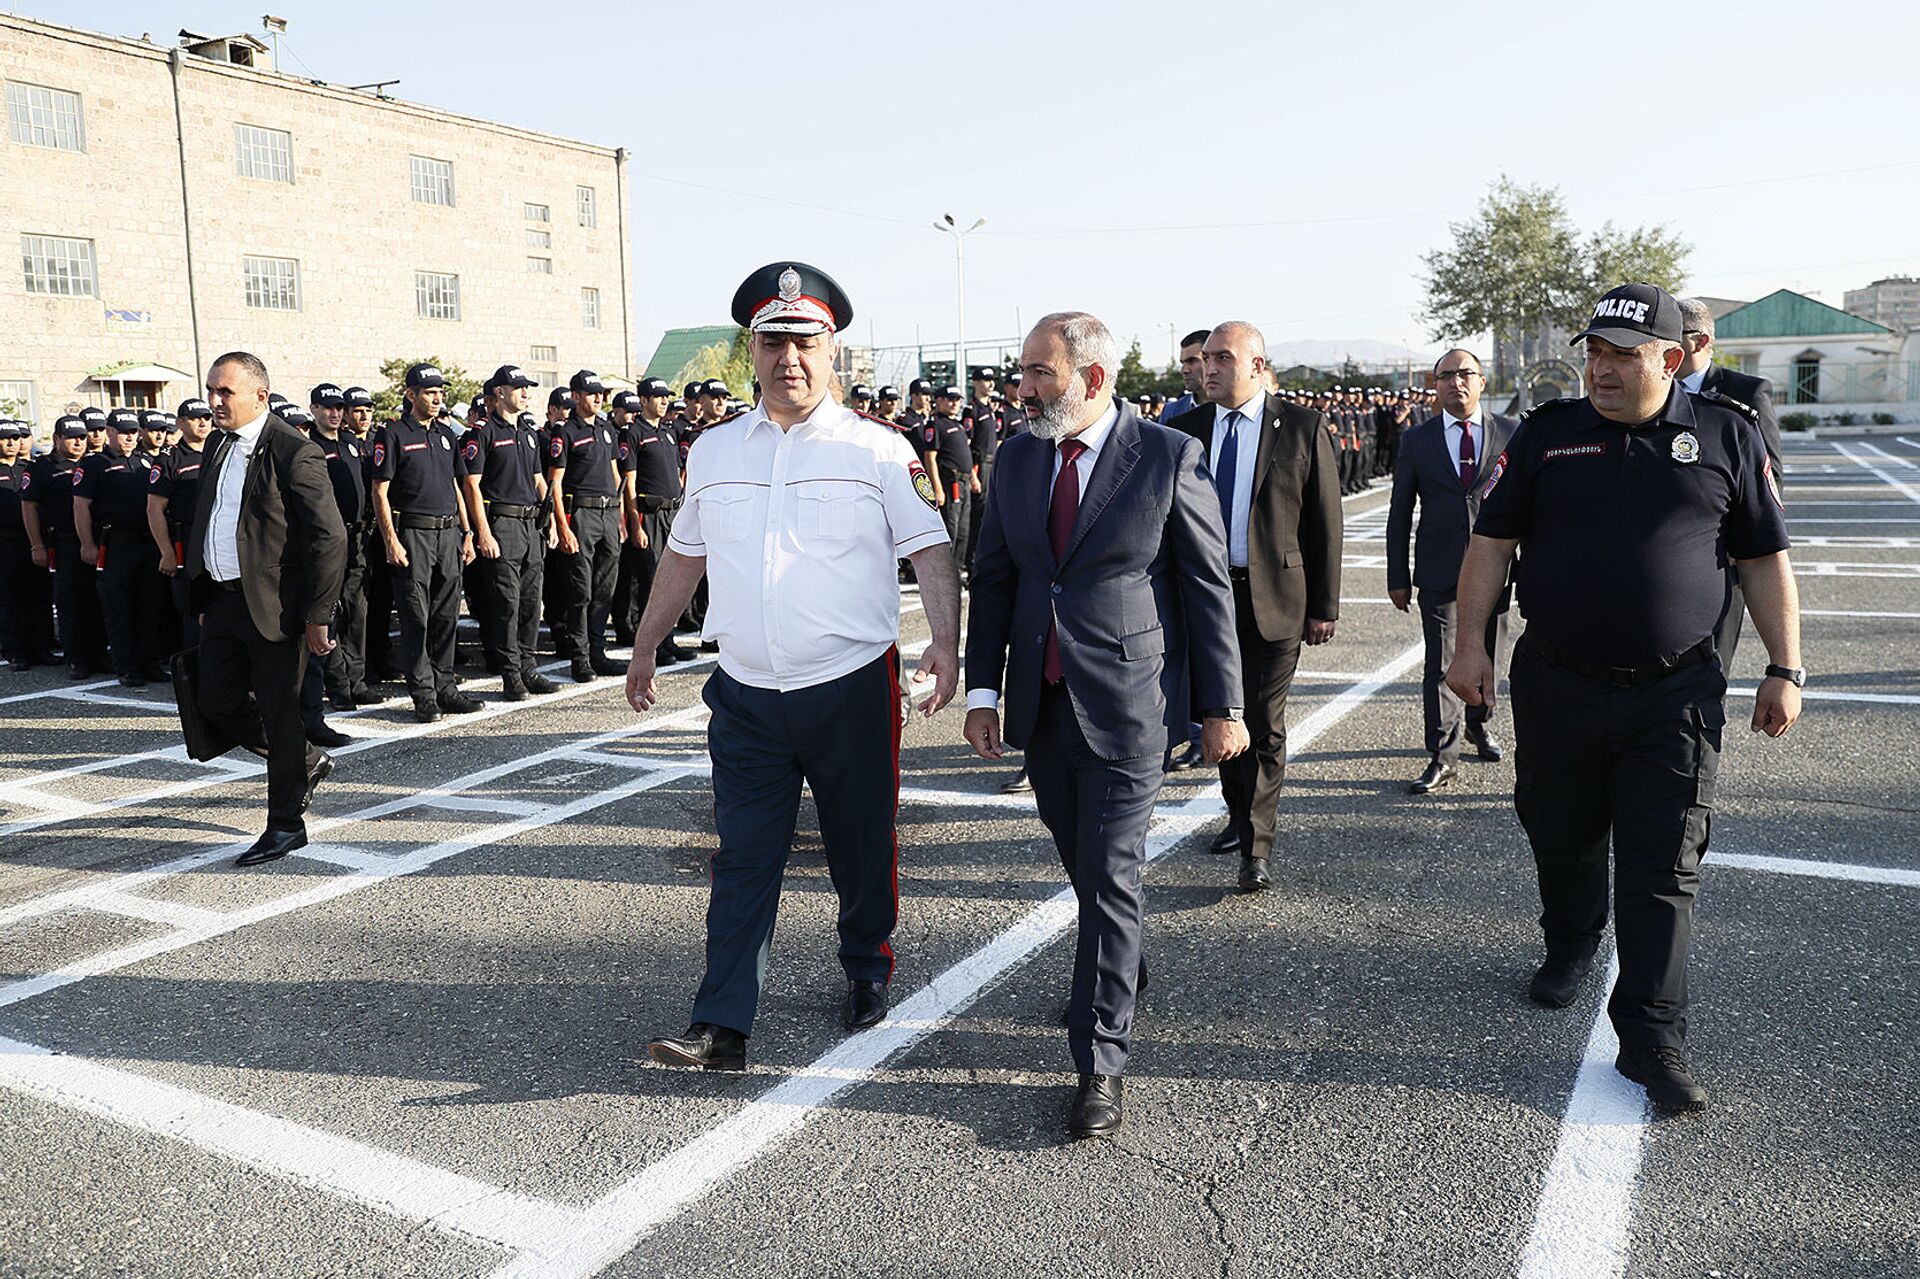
{"x": 952, "y": 228}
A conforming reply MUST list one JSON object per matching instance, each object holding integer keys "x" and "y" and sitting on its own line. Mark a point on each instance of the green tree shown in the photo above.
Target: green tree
{"x": 731, "y": 362}
{"x": 1134, "y": 377}
{"x": 388, "y": 402}
{"x": 1653, "y": 255}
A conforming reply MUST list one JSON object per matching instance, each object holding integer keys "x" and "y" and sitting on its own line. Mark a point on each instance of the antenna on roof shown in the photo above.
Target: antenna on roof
{"x": 274, "y": 27}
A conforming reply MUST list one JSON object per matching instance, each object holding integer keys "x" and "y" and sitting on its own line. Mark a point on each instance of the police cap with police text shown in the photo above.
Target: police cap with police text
{"x": 509, "y": 375}
{"x": 920, "y": 386}
{"x": 70, "y": 427}
{"x": 587, "y": 382}
{"x": 861, "y": 391}
{"x": 653, "y": 388}
{"x": 153, "y": 419}
{"x": 986, "y": 373}
{"x": 889, "y": 393}
{"x": 123, "y": 420}
{"x": 424, "y": 377}
{"x": 1633, "y": 315}
{"x": 626, "y": 401}
{"x": 327, "y": 395}
{"x": 196, "y": 408}
{"x": 948, "y": 393}
{"x": 358, "y": 397}
{"x": 791, "y": 297}
{"x": 714, "y": 386}
{"x": 294, "y": 415}
{"x": 95, "y": 418}
{"x": 558, "y": 398}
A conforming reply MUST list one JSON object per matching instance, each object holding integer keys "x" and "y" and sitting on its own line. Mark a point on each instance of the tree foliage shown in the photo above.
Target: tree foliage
{"x": 388, "y": 402}
{"x": 731, "y": 362}
{"x": 1135, "y": 378}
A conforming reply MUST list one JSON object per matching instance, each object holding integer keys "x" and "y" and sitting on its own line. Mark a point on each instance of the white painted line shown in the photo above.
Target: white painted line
{"x": 1860, "y": 542}
{"x": 1909, "y": 443}
{"x": 1819, "y": 695}
{"x": 1843, "y": 612}
{"x": 1853, "y": 568}
{"x": 355, "y": 859}
{"x": 1900, "y": 876}
{"x": 1580, "y": 1226}
{"x": 31, "y": 797}
{"x": 172, "y": 914}
{"x": 1794, "y": 521}
{"x": 965, "y": 798}
{"x": 1906, "y": 490}
{"x": 109, "y": 699}
{"x": 614, "y": 1223}
{"x": 485, "y": 804}
{"x": 390, "y": 1183}
{"x": 1895, "y": 458}
{"x": 70, "y": 688}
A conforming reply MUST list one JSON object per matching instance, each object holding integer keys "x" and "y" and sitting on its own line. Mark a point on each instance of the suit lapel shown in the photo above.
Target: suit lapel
{"x": 1448, "y": 462}
{"x": 1109, "y": 473}
{"x": 1263, "y": 449}
{"x": 1040, "y": 495}
{"x": 257, "y": 462}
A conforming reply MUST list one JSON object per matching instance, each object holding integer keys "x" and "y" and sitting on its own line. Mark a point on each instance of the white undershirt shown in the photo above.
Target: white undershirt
{"x": 223, "y": 522}
{"x": 1247, "y": 438}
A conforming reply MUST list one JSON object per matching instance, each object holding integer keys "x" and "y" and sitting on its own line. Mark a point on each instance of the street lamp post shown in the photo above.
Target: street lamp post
{"x": 952, "y": 228}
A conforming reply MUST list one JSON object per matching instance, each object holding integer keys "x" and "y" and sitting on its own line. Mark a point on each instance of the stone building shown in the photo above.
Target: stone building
{"x": 173, "y": 203}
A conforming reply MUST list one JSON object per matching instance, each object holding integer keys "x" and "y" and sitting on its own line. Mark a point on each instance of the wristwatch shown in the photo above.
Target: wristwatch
{"x": 1794, "y": 675}
{"x": 1231, "y": 714}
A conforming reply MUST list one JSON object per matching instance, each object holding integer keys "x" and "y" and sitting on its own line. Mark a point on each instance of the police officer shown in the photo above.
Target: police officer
{"x": 26, "y": 603}
{"x": 1013, "y": 417}
{"x": 1627, "y": 506}
{"x": 886, "y": 403}
{"x": 953, "y": 462}
{"x": 416, "y": 505}
{"x": 46, "y": 509}
{"x": 985, "y": 430}
{"x": 173, "y": 486}
{"x": 513, "y": 525}
{"x": 96, "y": 420}
{"x": 344, "y": 671}
{"x": 110, "y": 523}
{"x": 583, "y": 476}
{"x": 860, "y": 399}
{"x": 808, "y": 689}
{"x": 650, "y": 478}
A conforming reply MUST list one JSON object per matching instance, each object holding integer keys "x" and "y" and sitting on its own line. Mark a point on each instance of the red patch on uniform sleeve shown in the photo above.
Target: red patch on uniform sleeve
{"x": 1493, "y": 475}
{"x": 557, "y": 448}
{"x": 472, "y": 451}
{"x": 379, "y": 453}
{"x": 1773, "y": 483}
{"x": 77, "y": 473}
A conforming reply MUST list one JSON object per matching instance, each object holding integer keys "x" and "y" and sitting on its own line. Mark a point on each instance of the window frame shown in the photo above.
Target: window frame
{"x": 270, "y": 285}
{"x": 423, "y": 179}
{"x": 589, "y": 298}
{"x": 18, "y": 126}
{"x": 424, "y": 282}
{"x": 28, "y": 260}
{"x": 245, "y": 149}
{"x": 586, "y": 207}
{"x": 544, "y": 267}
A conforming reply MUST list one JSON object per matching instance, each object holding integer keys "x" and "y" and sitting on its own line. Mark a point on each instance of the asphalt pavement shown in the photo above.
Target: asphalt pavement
{"x": 417, "y": 1048}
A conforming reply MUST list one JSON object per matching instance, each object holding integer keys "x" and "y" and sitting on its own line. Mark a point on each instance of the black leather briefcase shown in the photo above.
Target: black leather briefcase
{"x": 204, "y": 740}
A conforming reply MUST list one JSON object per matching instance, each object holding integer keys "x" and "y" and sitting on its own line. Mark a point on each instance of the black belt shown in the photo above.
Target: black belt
{"x": 232, "y": 588}
{"x": 1239, "y": 574}
{"x": 511, "y": 511}
{"x": 648, "y": 502}
{"x": 592, "y": 503}
{"x": 1623, "y": 676}
{"x": 425, "y": 521}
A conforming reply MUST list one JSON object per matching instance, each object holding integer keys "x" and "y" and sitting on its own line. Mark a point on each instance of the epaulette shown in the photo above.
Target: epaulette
{"x": 1744, "y": 410}
{"x": 723, "y": 421}
{"x": 1547, "y": 404}
{"x": 875, "y": 419}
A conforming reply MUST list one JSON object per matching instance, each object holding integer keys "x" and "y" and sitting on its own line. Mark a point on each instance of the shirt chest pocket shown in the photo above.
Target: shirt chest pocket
{"x": 727, "y": 517}
{"x": 827, "y": 511}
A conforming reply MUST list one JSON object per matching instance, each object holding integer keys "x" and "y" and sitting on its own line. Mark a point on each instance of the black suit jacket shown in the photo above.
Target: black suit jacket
{"x": 293, "y": 547}
{"x": 1295, "y": 529}
{"x": 1754, "y": 392}
{"x": 1426, "y": 470}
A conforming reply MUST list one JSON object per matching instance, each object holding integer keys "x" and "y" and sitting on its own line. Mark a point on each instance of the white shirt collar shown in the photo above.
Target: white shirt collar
{"x": 1096, "y": 435}
{"x": 246, "y": 435}
{"x": 1694, "y": 380}
{"x": 824, "y": 415}
{"x": 1453, "y": 423}
{"x": 1251, "y": 410}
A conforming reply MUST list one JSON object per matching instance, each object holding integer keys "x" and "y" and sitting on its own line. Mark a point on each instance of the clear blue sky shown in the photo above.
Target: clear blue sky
{"x": 1162, "y": 164}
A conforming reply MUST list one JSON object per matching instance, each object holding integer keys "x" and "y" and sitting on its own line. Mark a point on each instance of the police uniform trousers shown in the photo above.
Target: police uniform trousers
{"x": 473, "y": 589}
{"x": 1446, "y": 714}
{"x": 427, "y": 592}
{"x": 235, "y": 660}
{"x": 1097, "y": 811}
{"x": 1637, "y": 764}
{"x": 510, "y": 585}
{"x": 26, "y": 602}
{"x": 955, "y": 514}
{"x": 347, "y": 664}
{"x": 842, "y": 738}
{"x": 378, "y": 654}
{"x": 638, "y": 567}
{"x": 976, "y": 510}
{"x": 133, "y": 597}
{"x": 590, "y": 578}
{"x": 83, "y": 633}
{"x": 1251, "y": 781}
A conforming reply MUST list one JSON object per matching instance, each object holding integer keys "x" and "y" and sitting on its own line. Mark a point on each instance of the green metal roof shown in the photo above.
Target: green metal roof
{"x": 1784, "y": 313}
{"x": 678, "y": 346}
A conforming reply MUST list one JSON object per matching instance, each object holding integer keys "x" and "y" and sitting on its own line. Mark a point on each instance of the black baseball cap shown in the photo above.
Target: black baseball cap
{"x": 558, "y": 398}
{"x": 70, "y": 427}
{"x": 276, "y": 399}
{"x": 714, "y": 386}
{"x": 424, "y": 377}
{"x": 358, "y": 397}
{"x": 889, "y": 393}
{"x": 195, "y": 408}
{"x": 653, "y": 386}
{"x": 626, "y": 401}
{"x": 329, "y": 395}
{"x": 920, "y": 386}
{"x": 1633, "y": 315}
{"x": 294, "y": 415}
{"x": 587, "y": 382}
{"x": 948, "y": 393}
{"x": 123, "y": 420}
{"x": 153, "y": 419}
{"x": 692, "y": 391}
{"x": 94, "y": 417}
{"x": 509, "y": 375}
{"x": 986, "y": 373}
{"x": 861, "y": 391}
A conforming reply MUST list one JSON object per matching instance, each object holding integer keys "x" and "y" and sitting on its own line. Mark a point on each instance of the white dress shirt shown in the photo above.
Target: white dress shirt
{"x": 802, "y": 531}
{"x": 223, "y": 522}
{"x": 1693, "y": 380}
{"x": 1094, "y": 437}
{"x": 1453, "y": 430}
{"x": 1248, "y": 439}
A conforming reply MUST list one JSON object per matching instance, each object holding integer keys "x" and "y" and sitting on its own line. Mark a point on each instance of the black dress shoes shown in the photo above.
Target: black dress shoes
{"x": 703, "y": 1047}
{"x": 1557, "y": 983}
{"x": 323, "y": 734}
{"x": 425, "y": 709}
{"x": 604, "y": 665}
{"x": 866, "y": 1004}
{"x": 272, "y": 846}
{"x": 1663, "y": 1072}
{"x": 581, "y": 670}
{"x": 1438, "y": 774}
{"x": 133, "y": 679}
{"x": 1485, "y": 744}
{"x": 1253, "y": 875}
{"x": 459, "y": 703}
{"x": 1192, "y": 757}
{"x": 1097, "y": 1106}
{"x": 537, "y": 683}
{"x": 364, "y": 696}
{"x": 1018, "y": 784}
{"x": 1227, "y": 843}
{"x": 317, "y": 772}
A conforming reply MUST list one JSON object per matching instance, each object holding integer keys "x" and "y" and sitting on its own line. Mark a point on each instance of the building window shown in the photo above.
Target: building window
{"x": 539, "y": 239}
{"x": 432, "y": 180}
{"x": 436, "y": 296}
{"x": 273, "y": 284}
{"x": 543, "y": 355}
{"x": 16, "y": 401}
{"x": 540, "y": 266}
{"x": 58, "y": 266}
{"x": 590, "y": 308}
{"x": 583, "y": 203}
{"x": 536, "y": 213}
{"x": 263, "y": 153}
{"x": 45, "y": 117}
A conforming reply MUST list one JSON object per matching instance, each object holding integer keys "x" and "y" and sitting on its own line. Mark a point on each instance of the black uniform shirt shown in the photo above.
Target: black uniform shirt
{"x": 1012, "y": 421}
{"x": 418, "y": 461}
{"x": 586, "y": 450}
{"x": 116, "y": 483}
{"x": 953, "y": 450}
{"x": 175, "y": 476}
{"x": 48, "y": 483}
{"x": 1625, "y": 532}
{"x": 11, "y": 525}
{"x": 506, "y": 457}
{"x": 983, "y": 430}
{"x": 347, "y": 468}
{"x": 652, "y": 456}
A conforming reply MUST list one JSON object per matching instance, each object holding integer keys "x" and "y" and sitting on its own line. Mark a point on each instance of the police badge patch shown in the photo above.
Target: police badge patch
{"x": 472, "y": 450}
{"x": 1686, "y": 448}
{"x": 1773, "y": 484}
{"x": 923, "y": 485}
{"x": 1498, "y": 469}
{"x": 789, "y": 285}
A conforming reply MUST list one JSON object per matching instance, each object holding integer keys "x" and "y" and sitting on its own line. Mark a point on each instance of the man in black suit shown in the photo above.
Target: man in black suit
{"x": 1699, "y": 374}
{"x": 265, "y": 561}
{"x": 1278, "y": 484}
{"x": 1444, "y": 463}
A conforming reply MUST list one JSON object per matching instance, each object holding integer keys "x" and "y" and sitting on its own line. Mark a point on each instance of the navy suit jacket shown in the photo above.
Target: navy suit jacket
{"x": 1425, "y": 470}
{"x": 1141, "y": 597}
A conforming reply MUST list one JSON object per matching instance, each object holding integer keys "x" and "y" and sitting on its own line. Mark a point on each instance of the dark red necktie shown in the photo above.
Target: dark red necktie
{"x": 1467, "y": 465}
{"x": 1062, "y": 511}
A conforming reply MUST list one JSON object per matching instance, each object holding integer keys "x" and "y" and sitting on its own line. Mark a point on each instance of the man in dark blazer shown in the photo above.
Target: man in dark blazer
{"x": 1277, "y": 484}
{"x": 266, "y": 557}
{"x": 1444, "y": 464}
{"x": 1102, "y": 613}
{"x": 1698, "y": 374}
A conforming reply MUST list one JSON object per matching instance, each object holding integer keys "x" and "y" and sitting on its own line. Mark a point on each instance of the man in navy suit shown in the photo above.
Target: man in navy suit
{"x": 1444, "y": 464}
{"x": 1103, "y": 612}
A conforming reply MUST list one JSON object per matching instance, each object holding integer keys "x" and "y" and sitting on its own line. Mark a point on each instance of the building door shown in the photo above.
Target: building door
{"x": 1806, "y": 379}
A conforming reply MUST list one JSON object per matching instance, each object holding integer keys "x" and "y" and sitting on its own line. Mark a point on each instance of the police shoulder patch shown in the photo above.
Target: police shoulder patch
{"x": 923, "y": 484}
{"x": 1544, "y": 405}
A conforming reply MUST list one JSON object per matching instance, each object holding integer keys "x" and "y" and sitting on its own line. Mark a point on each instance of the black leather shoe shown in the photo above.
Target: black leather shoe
{"x": 79, "y": 671}
{"x": 457, "y": 702}
{"x": 1485, "y": 744}
{"x": 324, "y": 734}
{"x": 1438, "y": 774}
{"x": 1557, "y": 983}
{"x": 20, "y": 664}
{"x": 341, "y": 699}
{"x": 581, "y": 670}
{"x": 1192, "y": 757}
{"x": 364, "y": 696}
{"x": 538, "y": 683}
{"x": 1663, "y": 1072}
{"x": 1097, "y": 1106}
{"x": 1253, "y": 875}
{"x": 315, "y": 775}
{"x": 1018, "y": 784}
{"x": 604, "y": 665}
{"x": 133, "y": 679}
{"x": 866, "y": 1004}
{"x": 1227, "y": 842}
{"x": 709, "y": 646}
{"x": 425, "y": 708}
{"x": 666, "y": 656}
{"x": 511, "y": 689}
{"x": 272, "y": 846}
{"x": 703, "y": 1047}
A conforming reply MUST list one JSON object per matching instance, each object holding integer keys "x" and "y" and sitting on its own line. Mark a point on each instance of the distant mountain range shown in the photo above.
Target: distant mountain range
{"x": 1332, "y": 352}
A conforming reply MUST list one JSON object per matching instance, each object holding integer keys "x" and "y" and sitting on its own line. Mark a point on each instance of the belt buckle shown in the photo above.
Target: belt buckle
{"x": 1622, "y": 676}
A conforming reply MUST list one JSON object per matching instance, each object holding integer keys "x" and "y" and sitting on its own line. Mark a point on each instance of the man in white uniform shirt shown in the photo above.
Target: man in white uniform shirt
{"x": 798, "y": 511}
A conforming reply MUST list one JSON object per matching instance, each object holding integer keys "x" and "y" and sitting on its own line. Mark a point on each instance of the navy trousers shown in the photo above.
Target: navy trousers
{"x": 1097, "y": 811}
{"x": 842, "y": 738}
